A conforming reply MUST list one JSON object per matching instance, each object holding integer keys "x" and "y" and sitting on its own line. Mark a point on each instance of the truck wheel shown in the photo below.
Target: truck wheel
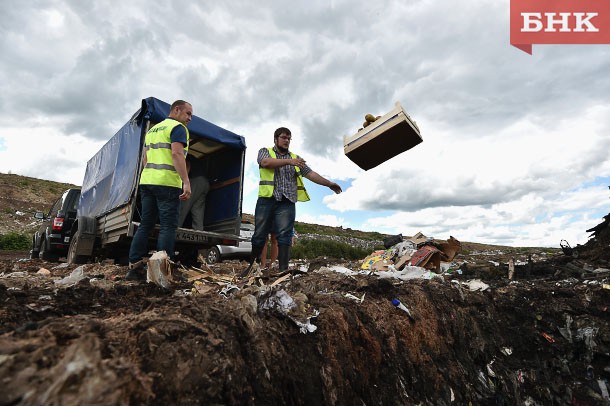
{"x": 213, "y": 256}
{"x": 45, "y": 251}
{"x": 72, "y": 257}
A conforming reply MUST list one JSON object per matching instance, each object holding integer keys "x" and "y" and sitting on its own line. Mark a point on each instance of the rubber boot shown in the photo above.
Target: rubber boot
{"x": 255, "y": 256}
{"x": 283, "y": 256}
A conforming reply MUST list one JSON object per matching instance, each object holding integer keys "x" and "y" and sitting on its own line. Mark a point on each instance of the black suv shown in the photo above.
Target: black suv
{"x": 52, "y": 239}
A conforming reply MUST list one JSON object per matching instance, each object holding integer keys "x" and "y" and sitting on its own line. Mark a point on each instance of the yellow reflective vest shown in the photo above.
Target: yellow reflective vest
{"x": 265, "y": 186}
{"x": 159, "y": 169}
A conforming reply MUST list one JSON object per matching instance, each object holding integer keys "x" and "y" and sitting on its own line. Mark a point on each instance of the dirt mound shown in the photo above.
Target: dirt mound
{"x": 330, "y": 335}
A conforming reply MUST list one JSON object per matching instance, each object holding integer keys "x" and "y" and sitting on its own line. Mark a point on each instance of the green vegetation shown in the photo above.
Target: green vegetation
{"x": 14, "y": 242}
{"x": 309, "y": 249}
{"x": 305, "y": 228}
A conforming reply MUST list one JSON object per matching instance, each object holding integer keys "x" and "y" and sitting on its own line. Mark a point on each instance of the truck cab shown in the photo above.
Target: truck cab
{"x": 109, "y": 206}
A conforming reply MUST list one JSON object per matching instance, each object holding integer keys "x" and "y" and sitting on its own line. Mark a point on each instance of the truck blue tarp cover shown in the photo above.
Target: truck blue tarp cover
{"x": 112, "y": 173}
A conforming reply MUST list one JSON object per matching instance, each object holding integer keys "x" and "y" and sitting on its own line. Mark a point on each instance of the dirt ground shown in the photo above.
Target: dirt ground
{"x": 329, "y": 334}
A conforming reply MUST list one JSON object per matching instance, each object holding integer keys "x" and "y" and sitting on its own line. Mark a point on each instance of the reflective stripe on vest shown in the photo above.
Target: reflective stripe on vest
{"x": 159, "y": 169}
{"x": 265, "y": 185}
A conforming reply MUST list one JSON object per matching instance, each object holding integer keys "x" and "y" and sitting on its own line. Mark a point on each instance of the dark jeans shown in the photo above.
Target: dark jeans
{"x": 162, "y": 202}
{"x": 271, "y": 213}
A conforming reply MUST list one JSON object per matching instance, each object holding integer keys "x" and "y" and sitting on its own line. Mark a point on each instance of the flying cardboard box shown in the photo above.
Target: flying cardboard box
{"x": 386, "y": 137}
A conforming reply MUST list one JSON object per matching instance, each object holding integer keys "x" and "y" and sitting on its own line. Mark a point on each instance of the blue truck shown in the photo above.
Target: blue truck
{"x": 109, "y": 207}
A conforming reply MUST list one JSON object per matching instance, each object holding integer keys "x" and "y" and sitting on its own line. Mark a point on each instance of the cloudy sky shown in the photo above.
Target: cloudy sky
{"x": 515, "y": 147}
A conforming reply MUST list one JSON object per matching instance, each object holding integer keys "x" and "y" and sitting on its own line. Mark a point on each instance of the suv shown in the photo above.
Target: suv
{"x": 242, "y": 251}
{"x": 52, "y": 239}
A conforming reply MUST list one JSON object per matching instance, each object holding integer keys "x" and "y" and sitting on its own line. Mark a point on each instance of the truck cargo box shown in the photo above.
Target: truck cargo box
{"x": 388, "y": 136}
{"x": 110, "y": 207}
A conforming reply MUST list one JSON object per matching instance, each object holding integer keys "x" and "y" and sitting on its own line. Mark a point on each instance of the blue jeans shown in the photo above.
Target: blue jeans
{"x": 162, "y": 202}
{"x": 271, "y": 213}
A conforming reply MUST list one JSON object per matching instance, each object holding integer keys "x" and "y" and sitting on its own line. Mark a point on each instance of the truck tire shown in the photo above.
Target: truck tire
{"x": 213, "y": 256}
{"x": 72, "y": 257}
{"x": 45, "y": 251}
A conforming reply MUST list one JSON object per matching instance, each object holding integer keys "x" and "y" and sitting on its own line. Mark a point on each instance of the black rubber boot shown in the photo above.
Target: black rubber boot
{"x": 283, "y": 256}
{"x": 255, "y": 255}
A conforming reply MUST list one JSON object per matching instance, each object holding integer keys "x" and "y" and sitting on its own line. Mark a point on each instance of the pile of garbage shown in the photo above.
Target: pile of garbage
{"x": 417, "y": 251}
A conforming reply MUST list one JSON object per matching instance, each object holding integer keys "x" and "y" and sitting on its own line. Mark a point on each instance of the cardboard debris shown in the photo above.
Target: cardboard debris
{"x": 382, "y": 265}
{"x": 428, "y": 257}
{"x": 418, "y": 239}
{"x": 376, "y": 256}
{"x": 402, "y": 261}
{"x": 405, "y": 253}
{"x": 450, "y": 248}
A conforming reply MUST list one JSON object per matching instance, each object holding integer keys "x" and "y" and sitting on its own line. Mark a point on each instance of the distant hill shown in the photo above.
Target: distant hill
{"x": 21, "y": 197}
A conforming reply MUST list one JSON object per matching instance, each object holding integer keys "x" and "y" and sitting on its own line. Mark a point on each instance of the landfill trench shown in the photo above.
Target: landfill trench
{"x": 325, "y": 336}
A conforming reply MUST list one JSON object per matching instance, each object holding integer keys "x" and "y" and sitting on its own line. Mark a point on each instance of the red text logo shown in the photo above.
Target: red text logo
{"x": 559, "y": 22}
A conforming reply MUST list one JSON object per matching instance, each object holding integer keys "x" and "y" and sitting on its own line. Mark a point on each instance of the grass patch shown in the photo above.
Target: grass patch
{"x": 14, "y": 242}
{"x": 309, "y": 249}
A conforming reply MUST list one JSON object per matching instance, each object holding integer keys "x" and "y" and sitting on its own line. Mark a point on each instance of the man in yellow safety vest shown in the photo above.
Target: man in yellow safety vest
{"x": 281, "y": 186}
{"x": 164, "y": 182}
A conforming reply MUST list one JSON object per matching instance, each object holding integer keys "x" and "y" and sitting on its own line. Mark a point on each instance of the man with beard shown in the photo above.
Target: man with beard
{"x": 280, "y": 187}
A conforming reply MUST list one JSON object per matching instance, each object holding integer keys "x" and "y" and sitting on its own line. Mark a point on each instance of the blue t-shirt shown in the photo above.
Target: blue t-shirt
{"x": 178, "y": 134}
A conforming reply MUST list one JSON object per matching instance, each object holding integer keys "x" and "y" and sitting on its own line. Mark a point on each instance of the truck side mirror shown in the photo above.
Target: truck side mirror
{"x": 39, "y": 215}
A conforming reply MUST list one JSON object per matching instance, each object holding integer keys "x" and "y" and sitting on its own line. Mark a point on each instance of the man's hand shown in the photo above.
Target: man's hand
{"x": 300, "y": 162}
{"x": 335, "y": 187}
{"x": 186, "y": 191}
{"x": 320, "y": 180}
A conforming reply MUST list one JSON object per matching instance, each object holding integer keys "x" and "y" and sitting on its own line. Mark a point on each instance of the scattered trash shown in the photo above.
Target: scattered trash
{"x": 426, "y": 257}
{"x": 490, "y": 371}
{"x": 159, "y": 270}
{"x": 507, "y": 351}
{"x": 229, "y": 290}
{"x": 586, "y": 335}
{"x": 392, "y": 240}
{"x": 341, "y": 269}
{"x": 548, "y": 337}
{"x": 356, "y": 298}
{"x": 72, "y": 279}
{"x": 44, "y": 272}
{"x": 402, "y": 307}
{"x": 603, "y": 388}
{"x": 14, "y": 275}
{"x": 307, "y": 327}
{"x": 419, "y": 250}
{"x": 282, "y": 302}
{"x": 475, "y": 284}
{"x": 565, "y": 247}
{"x": 201, "y": 288}
{"x": 409, "y": 272}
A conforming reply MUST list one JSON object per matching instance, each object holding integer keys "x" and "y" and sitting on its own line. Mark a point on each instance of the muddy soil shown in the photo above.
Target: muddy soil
{"x": 327, "y": 335}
